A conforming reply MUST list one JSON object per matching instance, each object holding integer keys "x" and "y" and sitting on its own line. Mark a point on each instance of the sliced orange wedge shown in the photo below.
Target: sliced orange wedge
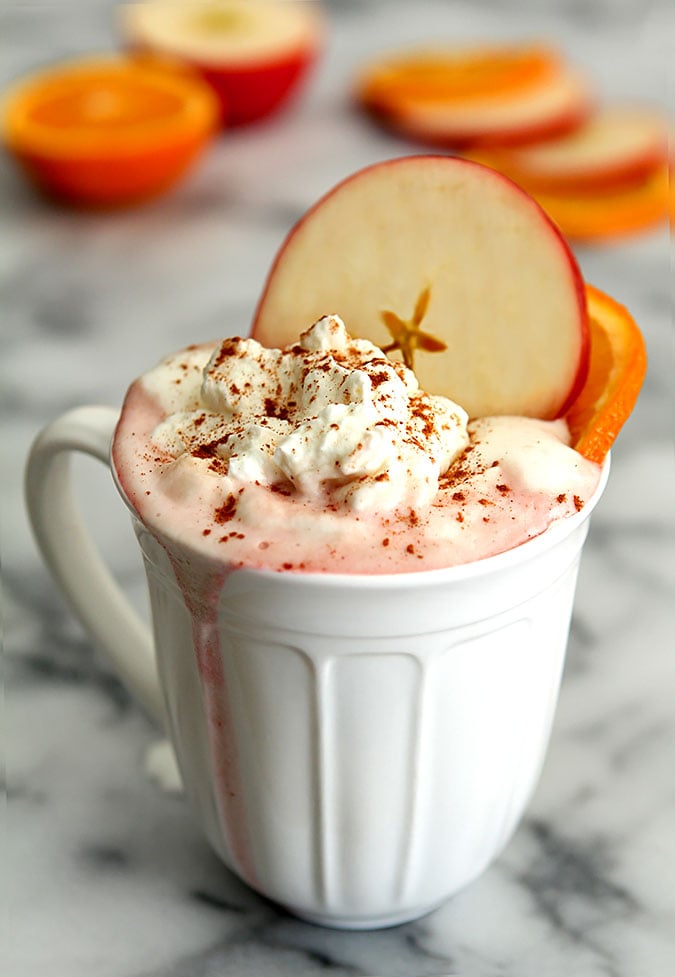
{"x": 438, "y": 75}
{"x": 599, "y": 213}
{"x": 610, "y": 212}
{"x": 107, "y": 131}
{"x": 503, "y": 95}
{"x": 618, "y": 363}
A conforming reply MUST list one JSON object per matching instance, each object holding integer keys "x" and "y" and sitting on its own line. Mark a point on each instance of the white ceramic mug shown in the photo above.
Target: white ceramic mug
{"x": 357, "y": 748}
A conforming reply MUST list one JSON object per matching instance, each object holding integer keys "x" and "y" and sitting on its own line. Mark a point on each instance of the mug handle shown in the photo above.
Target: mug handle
{"x": 73, "y": 559}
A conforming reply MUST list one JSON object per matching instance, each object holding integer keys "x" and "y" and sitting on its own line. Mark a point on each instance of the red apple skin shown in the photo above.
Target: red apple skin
{"x": 248, "y": 93}
{"x": 577, "y": 281}
{"x": 554, "y": 127}
{"x": 511, "y": 131}
{"x": 613, "y": 177}
{"x": 618, "y": 167}
{"x": 616, "y": 178}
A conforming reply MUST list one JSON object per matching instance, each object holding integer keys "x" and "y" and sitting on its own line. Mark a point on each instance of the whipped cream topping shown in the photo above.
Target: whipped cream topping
{"x": 330, "y": 419}
{"x": 326, "y": 457}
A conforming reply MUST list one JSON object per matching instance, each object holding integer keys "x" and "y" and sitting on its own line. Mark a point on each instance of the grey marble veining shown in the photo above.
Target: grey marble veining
{"x": 103, "y": 873}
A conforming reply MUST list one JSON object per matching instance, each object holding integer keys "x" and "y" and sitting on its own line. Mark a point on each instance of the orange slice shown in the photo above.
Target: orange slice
{"x": 599, "y": 213}
{"x": 107, "y": 131}
{"x": 437, "y": 75}
{"x": 610, "y": 212}
{"x": 618, "y": 363}
{"x": 496, "y": 96}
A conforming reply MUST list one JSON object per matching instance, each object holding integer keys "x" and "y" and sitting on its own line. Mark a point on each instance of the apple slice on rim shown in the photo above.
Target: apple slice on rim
{"x": 253, "y": 53}
{"x": 450, "y": 265}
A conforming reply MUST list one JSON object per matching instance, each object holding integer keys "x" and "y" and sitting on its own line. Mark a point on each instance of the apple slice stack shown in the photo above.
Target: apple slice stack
{"x": 597, "y": 171}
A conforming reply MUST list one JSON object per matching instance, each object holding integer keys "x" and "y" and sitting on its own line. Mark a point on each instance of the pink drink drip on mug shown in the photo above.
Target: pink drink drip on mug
{"x": 200, "y": 586}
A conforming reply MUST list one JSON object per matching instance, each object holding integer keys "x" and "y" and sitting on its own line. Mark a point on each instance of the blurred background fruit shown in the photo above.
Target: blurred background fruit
{"x": 255, "y": 54}
{"x": 107, "y": 131}
{"x": 599, "y": 170}
{"x": 499, "y": 95}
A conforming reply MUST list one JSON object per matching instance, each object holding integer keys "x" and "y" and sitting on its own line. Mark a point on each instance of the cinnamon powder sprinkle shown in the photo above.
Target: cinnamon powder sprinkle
{"x": 280, "y": 490}
{"x": 561, "y": 497}
{"x": 578, "y": 503}
{"x": 377, "y": 379}
{"x": 223, "y": 513}
{"x": 275, "y": 409}
{"x": 208, "y": 450}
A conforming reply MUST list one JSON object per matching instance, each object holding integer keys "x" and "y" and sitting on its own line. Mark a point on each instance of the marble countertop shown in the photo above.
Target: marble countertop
{"x": 104, "y": 872}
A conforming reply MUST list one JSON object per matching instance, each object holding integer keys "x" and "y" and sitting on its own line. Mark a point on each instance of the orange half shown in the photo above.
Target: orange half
{"x": 618, "y": 363}
{"x": 107, "y": 130}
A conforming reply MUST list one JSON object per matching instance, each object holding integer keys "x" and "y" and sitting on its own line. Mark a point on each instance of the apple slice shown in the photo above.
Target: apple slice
{"x": 616, "y": 146}
{"x": 253, "y": 53}
{"x": 451, "y": 263}
{"x": 556, "y": 103}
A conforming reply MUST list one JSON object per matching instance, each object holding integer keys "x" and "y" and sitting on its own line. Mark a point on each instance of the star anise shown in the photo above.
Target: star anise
{"x": 406, "y": 333}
